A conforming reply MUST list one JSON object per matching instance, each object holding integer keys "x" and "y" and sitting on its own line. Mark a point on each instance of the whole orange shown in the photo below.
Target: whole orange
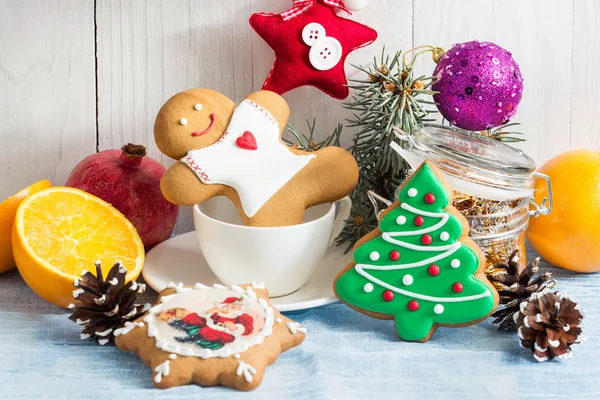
{"x": 8, "y": 209}
{"x": 569, "y": 237}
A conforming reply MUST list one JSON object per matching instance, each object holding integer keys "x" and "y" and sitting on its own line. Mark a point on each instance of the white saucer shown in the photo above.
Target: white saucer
{"x": 180, "y": 260}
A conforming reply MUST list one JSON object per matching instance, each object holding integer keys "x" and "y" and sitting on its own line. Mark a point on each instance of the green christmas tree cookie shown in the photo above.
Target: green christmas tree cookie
{"x": 419, "y": 268}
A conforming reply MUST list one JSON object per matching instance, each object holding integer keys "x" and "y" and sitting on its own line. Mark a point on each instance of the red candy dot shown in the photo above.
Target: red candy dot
{"x": 413, "y": 305}
{"x": 433, "y": 270}
{"x": 426, "y": 239}
{"x": 394, "y": 255}
{"x": 388, "y": 295}
{"x": 419, "y": 221}
{"x": 457, "y": 287}
{"x": 429, "y": 198}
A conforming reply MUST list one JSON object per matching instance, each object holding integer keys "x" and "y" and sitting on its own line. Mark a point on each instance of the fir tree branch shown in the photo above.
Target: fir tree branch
{"x": 502, "y": 135}
{"x": 388, "y": 96}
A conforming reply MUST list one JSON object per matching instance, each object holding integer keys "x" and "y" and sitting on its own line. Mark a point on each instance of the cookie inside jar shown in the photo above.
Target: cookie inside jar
{"x": 498, "y": 227}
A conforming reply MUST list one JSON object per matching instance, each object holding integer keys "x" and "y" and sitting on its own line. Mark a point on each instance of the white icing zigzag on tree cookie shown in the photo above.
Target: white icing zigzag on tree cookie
{"x": 448, "y": 251}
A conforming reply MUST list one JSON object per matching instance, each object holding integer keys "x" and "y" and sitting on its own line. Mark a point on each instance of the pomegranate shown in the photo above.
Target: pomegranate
{"x": 129, "y": 181}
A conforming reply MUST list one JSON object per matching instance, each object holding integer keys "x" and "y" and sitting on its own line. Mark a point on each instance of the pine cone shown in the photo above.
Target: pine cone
{"x": 515, "y": 287}
{"x": 548, "y": 324}
{"x": 105, "y": 305}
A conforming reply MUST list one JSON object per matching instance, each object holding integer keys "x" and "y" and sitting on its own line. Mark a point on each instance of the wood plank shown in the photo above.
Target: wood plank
{"x": 541, "y": 44}
{"x": 47, "y": 90}
{"x": 585, "y": 97}
{"x": 148, "y": 51}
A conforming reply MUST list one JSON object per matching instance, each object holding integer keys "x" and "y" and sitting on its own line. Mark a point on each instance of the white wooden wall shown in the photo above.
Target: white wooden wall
{"x": 77, "y": 76}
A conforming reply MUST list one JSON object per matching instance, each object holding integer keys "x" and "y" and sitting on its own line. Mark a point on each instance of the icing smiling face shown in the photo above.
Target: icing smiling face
{"x": 191, "y": 120}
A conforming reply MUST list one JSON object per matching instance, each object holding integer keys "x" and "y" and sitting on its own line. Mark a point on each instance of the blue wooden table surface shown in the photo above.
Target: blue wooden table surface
{"x": 345, "y": 355}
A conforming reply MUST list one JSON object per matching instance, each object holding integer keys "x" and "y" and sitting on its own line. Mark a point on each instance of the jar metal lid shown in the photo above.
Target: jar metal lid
{"x": 473, "y": 164}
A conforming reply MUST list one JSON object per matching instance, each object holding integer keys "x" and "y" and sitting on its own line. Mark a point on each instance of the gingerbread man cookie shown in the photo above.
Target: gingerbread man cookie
{"x": 237, "y": 152}
{"x": 419, "y": 268}
{"x": 210, "y": 336}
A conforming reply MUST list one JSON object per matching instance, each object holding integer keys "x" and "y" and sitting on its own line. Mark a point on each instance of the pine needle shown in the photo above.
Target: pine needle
{"x": 307, "y": 142}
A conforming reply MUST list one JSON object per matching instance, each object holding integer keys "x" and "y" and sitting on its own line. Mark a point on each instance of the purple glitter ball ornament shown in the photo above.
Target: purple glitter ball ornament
{"x": 480, "y": 85}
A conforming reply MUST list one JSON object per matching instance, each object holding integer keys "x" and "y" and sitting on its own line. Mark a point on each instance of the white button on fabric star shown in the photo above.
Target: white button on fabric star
{"x": 313, "y": 32}
{"x": 325, "y": 53}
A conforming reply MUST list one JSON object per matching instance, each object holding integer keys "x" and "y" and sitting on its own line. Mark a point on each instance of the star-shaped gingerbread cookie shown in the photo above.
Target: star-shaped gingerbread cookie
{"x": 311, "y": 48}
{"x": 210, "y": 336}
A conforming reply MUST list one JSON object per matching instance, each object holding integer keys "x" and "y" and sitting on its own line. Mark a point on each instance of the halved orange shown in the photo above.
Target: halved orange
{"x": 8, "y": 209}
{"x": 60, "y": 232}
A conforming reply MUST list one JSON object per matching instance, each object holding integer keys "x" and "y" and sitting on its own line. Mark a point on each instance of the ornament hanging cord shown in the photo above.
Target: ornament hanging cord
{"x": 437, "y": 53}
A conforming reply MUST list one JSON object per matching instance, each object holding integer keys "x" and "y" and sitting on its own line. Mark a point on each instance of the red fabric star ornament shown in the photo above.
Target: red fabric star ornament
{"x": 311, "y": 43}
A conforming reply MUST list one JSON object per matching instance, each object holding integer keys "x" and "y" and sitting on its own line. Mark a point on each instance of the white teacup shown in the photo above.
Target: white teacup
{"x": 281, "y": 257}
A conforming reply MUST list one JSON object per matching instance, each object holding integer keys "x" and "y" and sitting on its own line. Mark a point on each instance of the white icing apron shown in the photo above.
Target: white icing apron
{"x": 256, "y": 175}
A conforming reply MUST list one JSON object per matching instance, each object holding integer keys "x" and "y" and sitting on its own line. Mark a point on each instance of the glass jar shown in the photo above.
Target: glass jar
{"x": 493, "y": 184}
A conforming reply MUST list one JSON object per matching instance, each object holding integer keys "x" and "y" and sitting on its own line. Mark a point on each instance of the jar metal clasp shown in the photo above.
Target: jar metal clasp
{"x": 405, "y": 137}
{"x": 545, "y": 207}
{"x": 374, "y": 198}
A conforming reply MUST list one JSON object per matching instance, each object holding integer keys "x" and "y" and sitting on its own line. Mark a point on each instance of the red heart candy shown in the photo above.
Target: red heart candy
{"x": 247, "y": 141}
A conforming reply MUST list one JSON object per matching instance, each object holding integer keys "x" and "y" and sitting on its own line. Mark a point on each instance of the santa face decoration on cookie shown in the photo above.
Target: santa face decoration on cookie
{"x": 419, "y": 268}
{"x": 210, "y": 336}
{"x": 237, "y": 152}
{"x": 311, "y": 43}
{"x": 220, "y": 323}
